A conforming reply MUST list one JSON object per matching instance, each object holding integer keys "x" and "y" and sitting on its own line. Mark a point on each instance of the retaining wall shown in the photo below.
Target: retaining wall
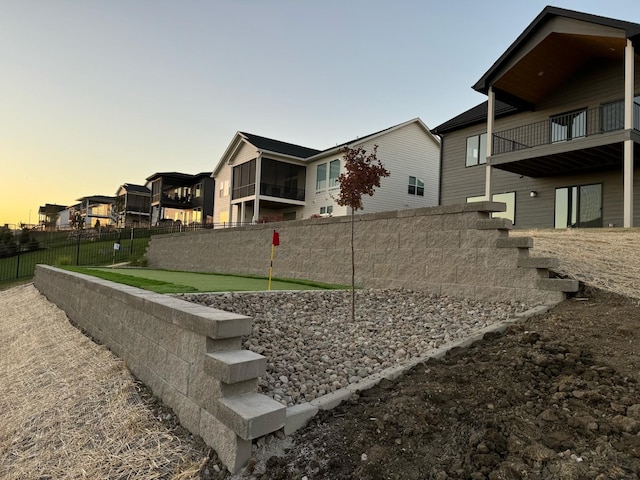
{"x": 454, "y": 250}
{"x": 188, "y": 354}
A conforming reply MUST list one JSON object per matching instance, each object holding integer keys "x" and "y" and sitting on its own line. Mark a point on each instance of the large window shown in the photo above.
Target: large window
{"x": 476, "y": 150}
{"x": 568, "y": 126}
{"x": 578, "y": 206}
{"x": 244, "y": 179}
{"x": 321, "y": 176}
{"x": 334, "y": 173}
{"x": 509, "y": 198}
{"x": 416, "y": 187}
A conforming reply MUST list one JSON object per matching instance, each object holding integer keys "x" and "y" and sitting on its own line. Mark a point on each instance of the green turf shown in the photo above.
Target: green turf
{"x": 168, "y": 281}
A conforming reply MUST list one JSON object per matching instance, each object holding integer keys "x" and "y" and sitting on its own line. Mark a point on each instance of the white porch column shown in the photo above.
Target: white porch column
{"x": 628, "y": 125}
{"x": 256, "y": 203}
{"x": 490, "y": 113}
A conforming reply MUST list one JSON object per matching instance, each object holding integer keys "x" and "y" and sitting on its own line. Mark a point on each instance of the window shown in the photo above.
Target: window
{"x": 321, "y": 176}
{"x": 334, "y": 173}
{"x": 568, "y": 126}
{"x": 476, "y": 150}
{"x": 509, "y": 198}
{"x": 416, "y": 187}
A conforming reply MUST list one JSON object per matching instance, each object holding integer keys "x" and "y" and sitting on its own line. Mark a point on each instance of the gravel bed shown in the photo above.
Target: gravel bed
{"x": 313, "y": 347}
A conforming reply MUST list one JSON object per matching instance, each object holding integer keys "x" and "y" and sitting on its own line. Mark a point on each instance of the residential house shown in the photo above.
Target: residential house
{"x": 181, "y": 197}
{"x": 557, "y": 138}
{"x": 96, "y": 210}
{"x": 48, "y": 215}
{"x": 132, "y": 207}
{"x": 260, "y": 179}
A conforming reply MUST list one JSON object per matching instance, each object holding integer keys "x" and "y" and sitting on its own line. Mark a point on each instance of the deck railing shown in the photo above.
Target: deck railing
{"x": 562, "y": 128}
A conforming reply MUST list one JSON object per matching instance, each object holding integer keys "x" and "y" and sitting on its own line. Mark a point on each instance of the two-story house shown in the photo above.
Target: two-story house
{"x": 181, "y": 197}
{"x": 260, "y": 179}
{"x": 132, "y": 206}
{"x": 557, "y": 138}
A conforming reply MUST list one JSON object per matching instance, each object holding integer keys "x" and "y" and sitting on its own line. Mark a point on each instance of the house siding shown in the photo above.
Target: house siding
{"x": 406, "y": 151}
{"x": 600, "y": 82}
{"x": 221, "y": 204}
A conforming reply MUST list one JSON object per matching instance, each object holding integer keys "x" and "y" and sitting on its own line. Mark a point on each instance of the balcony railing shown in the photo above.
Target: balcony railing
{"x": 565, "y": 127}
{"x": 280, "y": 191}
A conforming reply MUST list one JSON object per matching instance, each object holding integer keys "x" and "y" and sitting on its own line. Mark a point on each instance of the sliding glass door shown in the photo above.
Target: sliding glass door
{"x": 579, "y": 206}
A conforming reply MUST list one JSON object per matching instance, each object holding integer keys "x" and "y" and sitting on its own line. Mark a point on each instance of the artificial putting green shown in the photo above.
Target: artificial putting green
{"x": 169, "y": 281}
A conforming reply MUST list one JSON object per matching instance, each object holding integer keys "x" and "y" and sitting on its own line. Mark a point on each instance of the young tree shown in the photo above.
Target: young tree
{"x": 362, "y": 176}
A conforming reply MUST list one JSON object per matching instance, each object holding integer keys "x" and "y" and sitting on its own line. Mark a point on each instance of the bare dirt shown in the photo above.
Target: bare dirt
{"x": 556, "y": 397}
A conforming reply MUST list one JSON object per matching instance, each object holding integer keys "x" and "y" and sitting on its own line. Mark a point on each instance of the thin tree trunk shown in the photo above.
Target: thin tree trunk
{"x": 353, "y": 272}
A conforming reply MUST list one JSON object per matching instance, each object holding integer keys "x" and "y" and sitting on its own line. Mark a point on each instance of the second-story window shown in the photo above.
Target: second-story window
{"x": 321, "y": 176}
{"x": 334, "y": 173}
{"x": 476, "y": 150}
{"x": 568, "y": 126}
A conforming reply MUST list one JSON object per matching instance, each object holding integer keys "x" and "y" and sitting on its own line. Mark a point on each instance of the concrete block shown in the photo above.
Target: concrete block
{"x": 177, "y": 372}
{"x": 251, "y": 415}
{"x": 538, "y": 262}
{"x": 558, "y": 284}
{"x": 298, "y": 416}
{"x": 233, "y": 451}
{"x": 494, "y": 224}
{"x": 514, "y": 242}
{"x": 234, "y": 366}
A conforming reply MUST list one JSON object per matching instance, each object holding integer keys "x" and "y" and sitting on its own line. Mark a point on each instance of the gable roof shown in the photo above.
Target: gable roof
{"x": 379, "y": 133}
{"x": 131, "y": 187}
{"x": 632, "y": 32}
{"x": 474, "y": 116}
{"x": 276, "y": 146}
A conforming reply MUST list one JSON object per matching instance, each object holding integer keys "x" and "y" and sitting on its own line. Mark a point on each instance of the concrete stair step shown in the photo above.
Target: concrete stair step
{"x": 558, "y": 284}
{"x": 233, "y": 366}
{"x": 251, "y": 415}
{"x": 538, "y": 262}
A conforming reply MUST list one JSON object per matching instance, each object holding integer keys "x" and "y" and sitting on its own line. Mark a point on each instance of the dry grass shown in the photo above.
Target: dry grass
{"x": 69, "y": 408}
{"x": 603, "y": 258}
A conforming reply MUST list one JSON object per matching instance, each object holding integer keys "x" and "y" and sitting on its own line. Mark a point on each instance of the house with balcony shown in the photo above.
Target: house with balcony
{"x": 557, "y": 138}
{"x": 181, "y": 198}
{"x": 95, "y": 210}
{"x": 49, "y": 214}
{"x": 260, "y": 179}
{"x": 132, "y": 207}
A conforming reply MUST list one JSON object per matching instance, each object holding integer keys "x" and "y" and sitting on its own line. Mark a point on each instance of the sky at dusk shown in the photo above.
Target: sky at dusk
{"x": 94, "y": 94}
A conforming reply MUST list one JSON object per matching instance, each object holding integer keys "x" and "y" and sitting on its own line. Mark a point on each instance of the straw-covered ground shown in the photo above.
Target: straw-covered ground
{"x": 554, "y": 398}
{"x": 70, "y": 409}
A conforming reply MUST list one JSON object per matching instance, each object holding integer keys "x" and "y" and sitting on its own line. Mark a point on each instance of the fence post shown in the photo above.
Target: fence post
{"x": 18, "y": 263}
{"x": 78, "y": 249}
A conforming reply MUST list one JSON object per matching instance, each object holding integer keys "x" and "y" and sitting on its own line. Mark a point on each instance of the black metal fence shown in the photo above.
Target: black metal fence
{"x": 21, "y": 252}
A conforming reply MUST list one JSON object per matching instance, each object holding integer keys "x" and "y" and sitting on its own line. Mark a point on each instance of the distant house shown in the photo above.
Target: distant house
{"x": 48, "y": 215}
{"x": 181, "y": 197}
{"x": 260, "y": 179}
{"x": 132, "y": 207}
{"x": 96, "y": 210}
{"x": 557, "y": 140}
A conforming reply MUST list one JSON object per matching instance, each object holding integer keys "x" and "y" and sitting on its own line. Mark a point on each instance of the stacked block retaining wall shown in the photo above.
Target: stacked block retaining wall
{"x": 454, "y": 250}
{"x": 188, "y": 354}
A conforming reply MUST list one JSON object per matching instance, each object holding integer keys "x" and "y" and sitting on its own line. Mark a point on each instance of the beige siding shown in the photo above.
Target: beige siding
{"x": 221, "y": 209}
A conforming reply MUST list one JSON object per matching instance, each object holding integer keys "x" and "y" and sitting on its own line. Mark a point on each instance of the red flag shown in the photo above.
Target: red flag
{"x": 275, "y": 241}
